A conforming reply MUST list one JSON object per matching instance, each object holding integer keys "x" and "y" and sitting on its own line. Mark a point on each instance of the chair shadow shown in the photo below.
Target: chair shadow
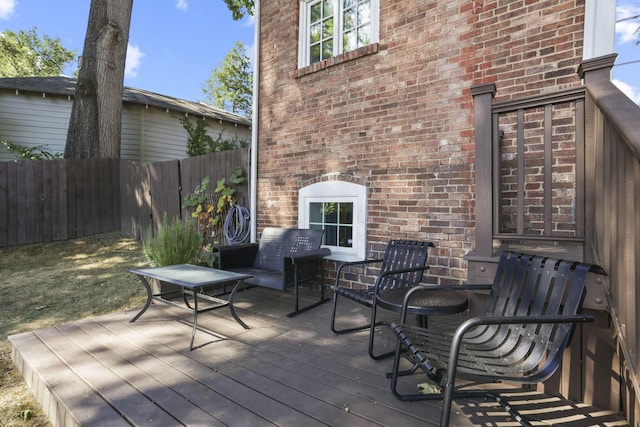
{"x": 538, "y": 409}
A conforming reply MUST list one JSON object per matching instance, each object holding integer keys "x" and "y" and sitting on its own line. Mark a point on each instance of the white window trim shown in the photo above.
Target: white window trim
{"x": 303, "y": 33}
{"x": 338, "y": 191}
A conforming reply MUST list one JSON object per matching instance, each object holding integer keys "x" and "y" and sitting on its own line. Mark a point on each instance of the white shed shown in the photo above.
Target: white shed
{"x": 35, "y": 111}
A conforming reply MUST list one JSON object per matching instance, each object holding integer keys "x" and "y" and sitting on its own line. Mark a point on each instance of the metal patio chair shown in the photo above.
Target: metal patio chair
{"x": 401, "y": 267}
{"x": 531, "y": 311}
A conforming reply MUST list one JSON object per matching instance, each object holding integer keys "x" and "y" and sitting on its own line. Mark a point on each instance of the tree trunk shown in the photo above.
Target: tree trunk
{"x": 96, "y": 115}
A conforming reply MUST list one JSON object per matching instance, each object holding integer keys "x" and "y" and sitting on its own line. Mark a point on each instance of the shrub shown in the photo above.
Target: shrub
{"x": 175, "y": 243}
{"x": 200, "y": 142}
{"x": 32, "y": 153}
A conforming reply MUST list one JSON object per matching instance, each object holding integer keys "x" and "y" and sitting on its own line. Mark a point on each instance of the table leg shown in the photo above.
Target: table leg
{"x": 195, "y": 318}
{"x": 233, "y": 311}
{"x": 149, "y": 298}
{"x": 184, "y": 298}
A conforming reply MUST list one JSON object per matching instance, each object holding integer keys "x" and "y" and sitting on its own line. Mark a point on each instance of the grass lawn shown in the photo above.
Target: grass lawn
{"x": 52, "y": 283}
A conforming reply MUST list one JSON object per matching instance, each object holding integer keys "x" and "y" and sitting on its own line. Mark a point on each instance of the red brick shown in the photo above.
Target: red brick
{"x": 379, "y": 116}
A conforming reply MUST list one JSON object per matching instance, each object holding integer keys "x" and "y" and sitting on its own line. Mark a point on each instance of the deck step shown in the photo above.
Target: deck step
{"x": 64, "y": 397}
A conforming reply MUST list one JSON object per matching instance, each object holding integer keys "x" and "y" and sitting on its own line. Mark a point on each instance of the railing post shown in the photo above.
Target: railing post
{"x": 597, "y": 68}
{"x": 589, "y": 71}
{"x": 483, "y": 98}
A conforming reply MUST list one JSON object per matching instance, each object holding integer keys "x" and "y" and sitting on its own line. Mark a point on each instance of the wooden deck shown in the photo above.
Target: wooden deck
{"x": 282, "y": 371}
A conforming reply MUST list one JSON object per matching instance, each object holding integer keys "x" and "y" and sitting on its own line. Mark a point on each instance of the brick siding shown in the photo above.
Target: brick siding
{"x": 397, "y": 116}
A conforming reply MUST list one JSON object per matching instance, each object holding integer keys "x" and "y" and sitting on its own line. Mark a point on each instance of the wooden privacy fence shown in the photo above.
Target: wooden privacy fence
{"x": 51, "y": 200}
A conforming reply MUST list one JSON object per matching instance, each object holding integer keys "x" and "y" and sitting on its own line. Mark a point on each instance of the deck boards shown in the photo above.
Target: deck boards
{"x": 283, "y": 371}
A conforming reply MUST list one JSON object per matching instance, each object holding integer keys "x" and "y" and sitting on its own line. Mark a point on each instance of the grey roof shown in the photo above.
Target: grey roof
{"x": 67, "y": 86}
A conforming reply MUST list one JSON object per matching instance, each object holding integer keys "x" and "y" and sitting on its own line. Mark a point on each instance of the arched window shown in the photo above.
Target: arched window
{"x": 340, "y": 209}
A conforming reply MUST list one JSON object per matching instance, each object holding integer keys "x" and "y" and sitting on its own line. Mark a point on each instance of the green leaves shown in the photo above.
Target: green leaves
{"x": 221, "y": 185}
{"x": 236, "y": 176}
{"x": 202, "y": 187}
{"x": 230, "y": 86}
{"x": 26, "y": 54}
{"x": 200, "y": 142}
{"x": 197, "y": 197}
{"x": 175, "y": 243}
{"x": 210, "y": 219}
{"x": 239, "y": 8}
{"x": 31, "y": 153}
{"x": 226, "y": 192}
{"x": 26, "y": 414}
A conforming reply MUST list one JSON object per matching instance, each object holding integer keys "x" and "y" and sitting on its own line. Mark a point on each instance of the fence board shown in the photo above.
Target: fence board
{"x": 114, "y": 223}
{"x": 4, "y": 204}
{"x": 56, "y": 198}
{"x": 82, "y": 193}
{"x": 135, "y": 199}
{"x": 165, "y": 191}
{"x": 72, "y": 208}
{"x": 47, "y": 207}
{"x": 93, "y": 196}
{"x": 63, "y": 232}
{"x": 106, "y": 195}
{"x": 28, "y": 203}
{"x": 128, "y": 221}
{"x": 36, "y": 205}
{"x": 50, "y": 200}
{"x": 12, "y": 203}
{"x": 21, "y": 203}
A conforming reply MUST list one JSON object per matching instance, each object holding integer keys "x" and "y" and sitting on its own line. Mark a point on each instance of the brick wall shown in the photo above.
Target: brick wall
{"x": 397, "y": 116}
{"x": 526, "y": 47}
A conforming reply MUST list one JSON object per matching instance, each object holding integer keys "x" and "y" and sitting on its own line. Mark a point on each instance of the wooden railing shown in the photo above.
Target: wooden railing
{"x": 613, "y": 212}
{"x": 561, "y": 172}
{"x": 530, "y": 172}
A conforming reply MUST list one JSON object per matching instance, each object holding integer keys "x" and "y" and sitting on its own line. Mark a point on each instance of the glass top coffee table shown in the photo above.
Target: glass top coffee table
{"x": 191, "y": 280}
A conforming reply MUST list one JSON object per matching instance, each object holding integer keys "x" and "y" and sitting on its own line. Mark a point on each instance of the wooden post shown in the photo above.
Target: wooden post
{"x": 593, "y": 70}
{"x": 481, "y": 264}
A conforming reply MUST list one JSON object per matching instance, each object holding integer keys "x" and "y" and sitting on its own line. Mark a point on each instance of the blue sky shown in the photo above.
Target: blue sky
{"x": 175, "y": 44}
{"x": 626, "y": 71}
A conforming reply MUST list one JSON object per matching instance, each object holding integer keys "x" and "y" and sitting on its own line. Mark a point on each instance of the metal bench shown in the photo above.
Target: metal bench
{"x": 532, "y": 309}
{"x": 283, "y": 258}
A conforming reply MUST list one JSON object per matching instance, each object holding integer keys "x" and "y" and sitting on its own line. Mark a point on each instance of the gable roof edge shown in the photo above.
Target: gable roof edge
{"x": 66, "y": 86}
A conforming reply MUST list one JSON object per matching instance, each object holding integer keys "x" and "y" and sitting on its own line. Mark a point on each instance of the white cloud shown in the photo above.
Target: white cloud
{"x": 182, "y": 5}
{"x": 7, "y": 8}
{"x": 249, "y": 21}
{"x": 627, "y": 30}
{"x": 134, "y": 57}
{"x": 632, "y": 92}
{"x": 251, "y": 53}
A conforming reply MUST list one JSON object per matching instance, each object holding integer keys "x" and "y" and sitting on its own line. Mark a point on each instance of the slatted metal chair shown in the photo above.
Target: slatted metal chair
{"x": 531, "y": 311}
{"x": 401, "y": 267}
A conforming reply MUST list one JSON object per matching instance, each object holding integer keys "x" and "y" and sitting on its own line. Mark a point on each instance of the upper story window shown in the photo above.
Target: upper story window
{"x": 331, "y": 27}
{"x": 340, "y": 209}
